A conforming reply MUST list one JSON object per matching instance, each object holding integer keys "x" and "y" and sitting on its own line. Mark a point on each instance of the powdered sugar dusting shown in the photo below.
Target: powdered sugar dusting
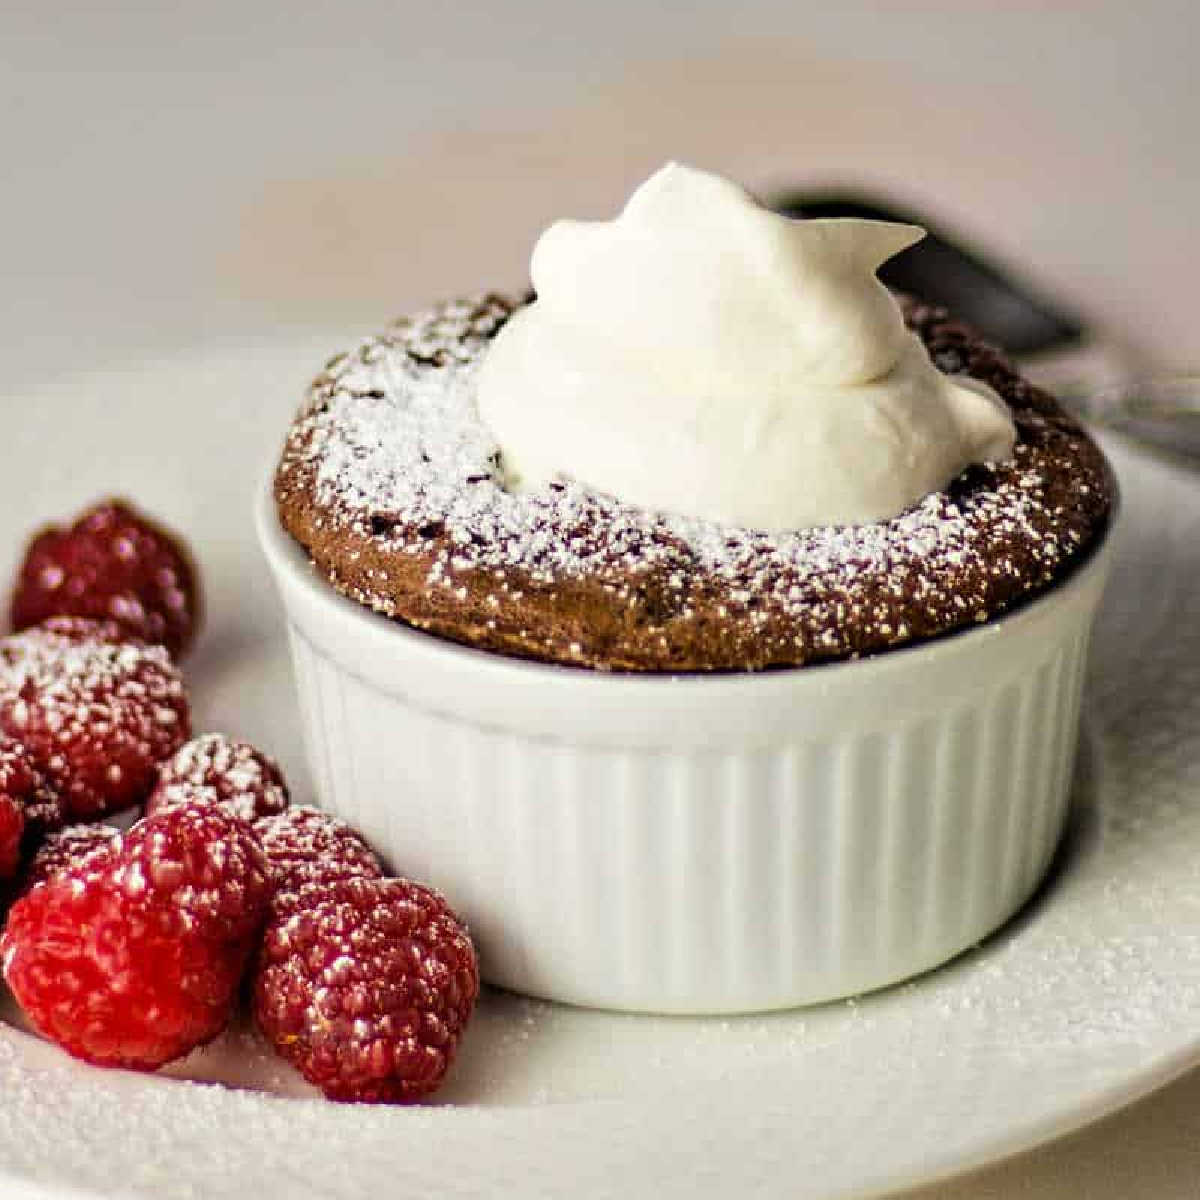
{"x": 66, "y": 848}
{"x": 308, "y": 851}
{"x": 96, "y": 714}
{"x": 237, "y": 774}
{"x": 22, "y": 785}
{"x": 396, "y": 452}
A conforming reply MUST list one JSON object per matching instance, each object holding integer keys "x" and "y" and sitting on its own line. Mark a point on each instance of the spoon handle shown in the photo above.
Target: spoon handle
{"x": 1163, "y": 410}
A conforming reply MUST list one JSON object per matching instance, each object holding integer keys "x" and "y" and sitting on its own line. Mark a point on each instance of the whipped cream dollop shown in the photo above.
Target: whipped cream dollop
{"x": 702, "y": 355}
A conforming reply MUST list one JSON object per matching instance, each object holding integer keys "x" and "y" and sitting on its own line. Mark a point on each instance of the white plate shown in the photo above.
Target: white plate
{"x": 1086, "y": 1001}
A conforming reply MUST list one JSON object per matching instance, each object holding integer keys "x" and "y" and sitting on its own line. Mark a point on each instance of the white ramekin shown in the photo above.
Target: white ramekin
{"x": 700, "y": 844}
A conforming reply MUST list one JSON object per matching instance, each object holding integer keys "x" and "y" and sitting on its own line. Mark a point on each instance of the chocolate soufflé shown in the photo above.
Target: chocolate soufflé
{"x": 394, "y": 486}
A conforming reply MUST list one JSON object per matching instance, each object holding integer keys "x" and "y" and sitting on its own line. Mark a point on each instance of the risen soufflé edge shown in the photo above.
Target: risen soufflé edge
{"x": 393, "y": 486}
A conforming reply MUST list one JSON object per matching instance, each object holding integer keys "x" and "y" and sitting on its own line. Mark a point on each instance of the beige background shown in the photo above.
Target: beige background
{"x": 174, "y": 176}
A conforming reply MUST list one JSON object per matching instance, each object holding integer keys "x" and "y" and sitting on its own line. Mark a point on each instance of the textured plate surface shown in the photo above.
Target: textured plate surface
{"x": 1085, "y": 1001}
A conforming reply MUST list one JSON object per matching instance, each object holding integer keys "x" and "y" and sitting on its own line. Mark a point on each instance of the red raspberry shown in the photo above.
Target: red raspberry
{"x": 368, "y": 990}
{"x": 209, "y": 862}
{"x": 132, "y": 955}
{"x": 308, "y": 851}
{"x": 12, "y": 830}
{"x": 83, "y": 629}
{"x": 64, "y": 849}
{"x": 28, "y": 807}
{"x": 245, "y": 780}
{"x": 113, "y": 562}
{"x": 96, "y": 716}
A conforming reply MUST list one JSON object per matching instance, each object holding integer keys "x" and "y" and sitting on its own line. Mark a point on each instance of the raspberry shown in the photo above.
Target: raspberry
{"x": 209, "y": 862}
{"x": 367, "y": 990}
{"x": 12, "y": 830}
{"x": 131, "y": 955}
{"x": 96, "y": 715}
{"x": 87, "y": 629}
{"x": 28, "y": 807}
{"x": 245, "y": 780}
{"x": 308, "y": 851}
{"x": 64, "y": 849}
{"x": 115, "y": 563}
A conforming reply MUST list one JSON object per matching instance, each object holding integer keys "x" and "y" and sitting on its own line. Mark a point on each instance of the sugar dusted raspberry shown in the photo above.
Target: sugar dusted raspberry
{"x": 244, "y": 779}
{"x": 64, "y": 849}
{"x": 367, "y": 990}
{"x": 21, "y": 779}
{"x": 28, "y": 806}
{"x": 12, "y": 831}
{"x": 309, "y": 850}
{"x": 96, "y": 715}
{"x": 132, "y": 955}
{"x": 87, "y": 629}
{"x": 209, "y": 864}
{"x": 115, "y": 563}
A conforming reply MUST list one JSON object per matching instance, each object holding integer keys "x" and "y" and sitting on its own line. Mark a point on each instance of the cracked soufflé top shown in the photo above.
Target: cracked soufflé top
{"x": 395, "y": 488}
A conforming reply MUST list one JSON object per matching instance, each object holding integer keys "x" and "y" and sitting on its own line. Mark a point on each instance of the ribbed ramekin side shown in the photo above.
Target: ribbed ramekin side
{"x": 706, "y": 881}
